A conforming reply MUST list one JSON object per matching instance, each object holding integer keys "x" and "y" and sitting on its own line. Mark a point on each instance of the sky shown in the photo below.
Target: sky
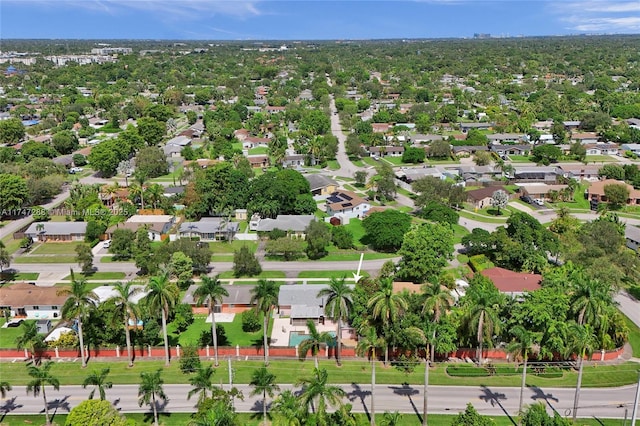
{"x": 311, "y": 20}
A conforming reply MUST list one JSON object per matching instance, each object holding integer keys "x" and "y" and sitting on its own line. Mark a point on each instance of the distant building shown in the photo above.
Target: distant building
{"x": 57, "y": 231}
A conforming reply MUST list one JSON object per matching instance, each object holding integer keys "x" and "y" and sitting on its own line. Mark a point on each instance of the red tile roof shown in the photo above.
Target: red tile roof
{"x": 512, "y": 282}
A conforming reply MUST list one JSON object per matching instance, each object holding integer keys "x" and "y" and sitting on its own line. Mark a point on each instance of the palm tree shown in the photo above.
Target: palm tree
{"x": 316, "y": 388}
{"x": 265, "y": 297}
{"x": 30, "y": 339}
{"x": 151, "y": 389}
{"x": 581, "y": 342}
{"x": 155, "y": 193}
{"x": 41, "y": 376}
{"x": 386, "y": 306}
{"x": 287, "y": 407}
{"x": 140, "y": 179}
{"x": 80, "y": 301}
{"x": 589, "y": 299}
{"x": 263, "y": 382}
{"x": 391, "y": 419}
{"x": 202, "y": 383}
{"x": 98, "y": 379}
{"x": 313, "y": 342}
{"x": 438, "y": 300}
{"x": 128, "y": 310}
{"x": 521, "y": 346}
{"x": 337, "y": 305}
{"x": 211, "y": 291}
{"x": 481, "y": 313}
{"x": 162, "y": 297}
{"x": 368, "y": 342}
{"x": 4, "y": 388}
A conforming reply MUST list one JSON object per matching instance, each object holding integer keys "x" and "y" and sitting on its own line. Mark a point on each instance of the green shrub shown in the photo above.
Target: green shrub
{"x": 480, "y": 262}
{"x": 189, "y": 359}
{"x": 466, "y": 370}
{"x": 250, "y": 321}
{"x": 207, "y": 339}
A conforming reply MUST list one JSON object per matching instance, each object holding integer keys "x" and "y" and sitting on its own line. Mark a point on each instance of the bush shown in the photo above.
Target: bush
{"x": 66, "y": 340}
{"x": 466, "y": 370}
{"x": 341, "y": 237}
{"x": 40, "y": 214}
{"x": 440, "y": 213}
{"x": 95, "y": 412}
{"x": 406, "y": 363}
{"x": 250, "y": 321}
{"x": 480, "y": 262}
{"x": 207, "y": 340}
{"x": 189, "y": 359}
{"x": 276, "y": 233}
{"x": 183, "y": 317}
{"x": 79, "y": 160}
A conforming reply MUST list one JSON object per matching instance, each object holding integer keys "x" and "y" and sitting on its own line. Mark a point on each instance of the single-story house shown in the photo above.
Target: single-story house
{"x": 386, "y": 151}
{"x": 172, "y": 191}
{"x": 238, "y": 300}
{"x": 467, "y": 150}
{"x": 174, "y": 146}
{"x": 602, "y": 148}
{"x": 301, "y": 303}
{"x": 411, "y": 174}
{"x": 30, "y": 301}
{"x": 209, "y": 229}
{"x": 425, "y": 139}
{"x": 504, "y": 150}
{"x": 571, "y": 124}
{"x": 632, "y": 236}
{"x": 540, "y": 190}
{"x": 258, "y": 161}
{"x": 536, "y": 173}
{"x": 346, "y": 205}
{"x": 57, "y": 231}
{"x": 293, "y": 224}
{"x": 581, "y": 171}
{"x": 585, "y": 138}
{"x": 499, "y": 138}
{"x": 381, "y": 127}
{"x": 254, "y": 142}
{"x": 543, "y": 125}
{"x": 465, "y": 127}
{"x": 106, "y": 292}
{"x": 158, "y": 226}
{"x": 512, "y": 283}
{"x": 595, "y": 192}
{"x": 632, "y": 147}
{"x": 321, "y": 184}
{"x": 478, "y": 173}
{"x": 481, "y": 197}
{"x": 293, "y": 160}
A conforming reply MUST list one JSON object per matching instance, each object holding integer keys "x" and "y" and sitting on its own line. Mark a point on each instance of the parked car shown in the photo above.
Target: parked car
{"x": 106, "y": 243}
{"x": 539, "y": 201}
{"x": 526, "y": 199}
{"x": 75, "y": 170}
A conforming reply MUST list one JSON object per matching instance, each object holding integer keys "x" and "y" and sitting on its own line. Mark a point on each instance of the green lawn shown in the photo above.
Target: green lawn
{"x": 459, "y": 231}
{"x": 222, "y": 258}
{"x": 579, "y": 201}
{"x": 357, "y": 230}
{"x": 45, "y": 259}
{"x": 263, "y": 274}
{"x": 520, "y": 159}
{"x": 329, "y": 274}
{"x": 8, "y": 336}
{"x": 482, "y": 218}
{"x": 600, "y": 159}
{"x": 261, "y": 150}
{"x": 231, "y": 247}
{"x": 333, "y": 165}
{"x": 10, "y": 244}
{"x": 99, "y": 276}
{"x": 352, "y": 255}
{"x": 20, "y": 276}
{"x": 56, "y": 248}
{"x": 634, "y": 337}
{"x": 233, "y": 331}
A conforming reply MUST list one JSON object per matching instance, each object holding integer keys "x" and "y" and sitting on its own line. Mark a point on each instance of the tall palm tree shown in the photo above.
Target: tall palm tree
{"x": 162, "y": 297}
{"x": 386, "y": 306}
{"x": 150, "y": 390}
{"x": 438, "y": 300}
{"x": 265, "y": 296}
{"x": 80, "y": 301}
{"x": 368, "y": 342}
{"x": 99, "y": 380}
{"x": 337, "y": 304}
{"x": 30, "y": 339}
{"x": 202, "y": 383}
{"x": 589, "y": 299}
{"x": 481, "y": 313}
{"x": 155, "y": 193}
{"x": 521, "y": 346}
{"x": 263, "y": 382}
{"x": 316, "y": 388}
{"x": 211, "y": 291}
{"x": 127, "y": 310}
{"x": 287, "y": 408}
{"x": 581, "y": 342}
{"x": 4, "y": 388}
{"x": 313, "y": 342}
{"x": 140, "y": 179}
{"x": 40, "y": 377}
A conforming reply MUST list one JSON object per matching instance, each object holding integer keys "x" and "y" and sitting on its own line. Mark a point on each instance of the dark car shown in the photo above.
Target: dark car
{"x": 527, "y": 199}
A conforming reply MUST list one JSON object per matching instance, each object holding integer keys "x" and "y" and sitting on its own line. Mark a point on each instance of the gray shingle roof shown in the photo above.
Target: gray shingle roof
{"x": 317, "y": 181}
{"x": 238, "y": 294}
{"x": 208, "y": 225}
{"x": 286, "y": 222}
{"x": 57, "y": 228}
{"x": 301, "y": 294}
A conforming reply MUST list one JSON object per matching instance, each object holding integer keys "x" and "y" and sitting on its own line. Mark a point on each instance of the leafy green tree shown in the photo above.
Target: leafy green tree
{"x": 522, "y": 345}
{"x": 151, "y": 162}
{"x": 283, "y": 191}
{"x": 99, "y": 380}
{"x": 431, "y": 189}
{"x": 338, "y": 297}
{"x": 264, "y": 296}
{"x": 13, "y": 194}
{"x": 32, "y": 150}
{"x": 11, "y": 131}
{"x": 437, "y": 212}
{"x": 65, "y": 142}
{"x": 313, "y": 342}
{"x": 546, "y": 154}
{"x": 95, "y": 413}
{"x": 106, "y": 156}
{"x": 318, "y": 237}
{"x": 162, "y": 296}
{"x": 202, "y": 383}
{"x": 80, "y": 301}
{"x": 263, "y": 382}
{"x": 143, "y": 253}
{"x": 4, "y": 388}
{"x": 40, "y": 378}
{"x": 425, "y": 250}
{"x": 383, "y": 182}
{"x": 5, "y": 257}
{"x": 499, "y": 199}
{"x": 245, "y": 263}
{"x": 360, "y": 177}
{"x": 438, "y": 301}
{"x": 286, "y": 408}
{"x": 150, "y": 390}
{"x": 181, "y": 267}
{"x": 212, "y": 292}
{"x": 385, "y": 230}
{"x": 413, "y": 155}
{"x": 470, "y": 417}
{"x": 84, "y": 257}
{"x": 79, "y": 160}
{"x": 386, "y": 307}
{"x": 581, "y": 342}
{"x": 151, "y": 130}
{"x": 482, "y": 158}
{"x": 578, "y": 151}
{"x": 341, "y": 237}
{"x": 439, "y": 149}
{"x": 612, "y": 171}
{"x": 122, "y": 241}
{"x": 617, "y": 195}
{"x": 316, "y": 390}
{"x": 127, "y": 310}
{"x": 536, "y": 415}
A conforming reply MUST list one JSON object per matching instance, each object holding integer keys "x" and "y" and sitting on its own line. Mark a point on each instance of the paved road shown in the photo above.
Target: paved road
{"x": 347, "y": 168}
{"x": 15, "y": 225}
{"x": 608, "y": 403}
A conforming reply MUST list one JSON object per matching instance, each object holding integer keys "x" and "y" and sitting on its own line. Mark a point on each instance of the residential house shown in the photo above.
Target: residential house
{"x": 465, "y": 127}
{"x": 468, "y": 150}
{"x": 602, "y": 148}
{"x": 505, "y": 150}
{"x": 241, "y": 134}
{"x": 633, "y": 122}
{"x": 481, "y": 197}
{"x": 543, "y": 125}
{"x": 293, "y": 161}
{"x": 571, "y": 125}
{"x": 321, "y": 184}
{"x": 381, "y": 127}
{"x": 386, "y": 151}
{"x": 203, "y": 163}
{"x": 158, "y": 226}
{"x": 473, "y": 173}
{"x": 173, "y": 191}
{"x": 305, "y": 95}
{"x": 294, "y": 225}
{"x": 632, "y": 236}
{"x": 238, "y": 300}
{"x": 301, "y": 303}
{"x": 251, "y": 142}
{"x": 275, "y": 109}
{"x": 425, "y": 139}
{"x": 346, "y": 205}
{"x": 258, "y": 161}
{"x": 540, "y": 190}
{"x": 536, "y": 173}
{"x": 209, "y": 229}
{"x": 57, "y": 231}
{"x": 595, "y": 192}
{"x": 29, "y": 301}
{"x": 581, "y": 171}
{"x": 584, "y": 138}
{"x": 411, "y": 174}
{"x": 631, "y": 147}
{"x": 106, "y": 292}
{"x": 513, "y": 284}
{"x": 174, "y": 146}
{"x": 506, "y": 138}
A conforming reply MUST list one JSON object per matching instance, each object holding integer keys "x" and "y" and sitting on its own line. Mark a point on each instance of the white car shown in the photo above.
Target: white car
{"x": 106, "y": 243}
{"x": 539, "y": 201}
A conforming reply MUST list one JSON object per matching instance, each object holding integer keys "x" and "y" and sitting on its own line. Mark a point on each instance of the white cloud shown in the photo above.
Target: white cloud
{"x": 617, "y": 16}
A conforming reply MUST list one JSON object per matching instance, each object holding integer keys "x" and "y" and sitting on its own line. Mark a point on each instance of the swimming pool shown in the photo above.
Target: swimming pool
{"x": 296, "y": 337}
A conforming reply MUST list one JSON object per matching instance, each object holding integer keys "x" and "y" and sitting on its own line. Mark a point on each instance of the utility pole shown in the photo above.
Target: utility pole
{"x": 425, "y": 393}
{"x": 634, "y": 416}
{"x": 230, "y": 380}
{"x": 373, "y": 389}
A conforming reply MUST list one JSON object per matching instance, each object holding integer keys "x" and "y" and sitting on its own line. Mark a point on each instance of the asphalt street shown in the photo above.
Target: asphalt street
{"x": 495, "y": 401}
